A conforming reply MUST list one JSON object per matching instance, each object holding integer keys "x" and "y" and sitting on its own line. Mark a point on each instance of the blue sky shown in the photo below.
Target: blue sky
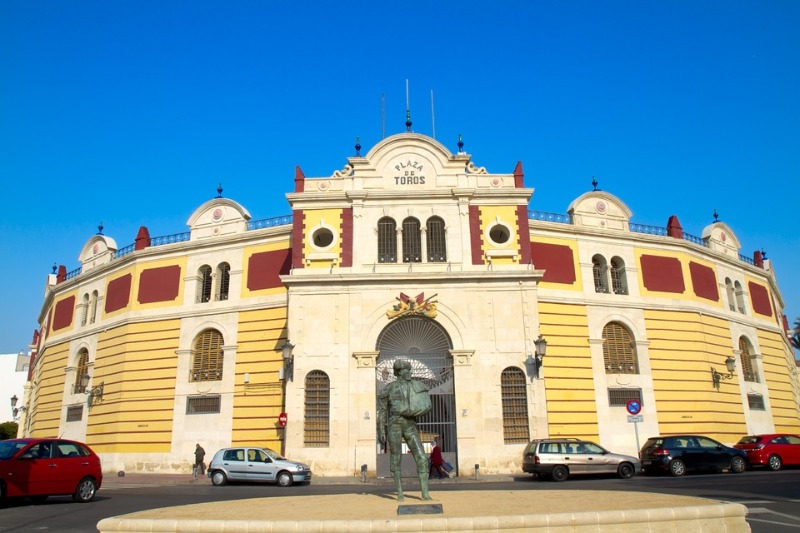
{"x": 131, "y": 112}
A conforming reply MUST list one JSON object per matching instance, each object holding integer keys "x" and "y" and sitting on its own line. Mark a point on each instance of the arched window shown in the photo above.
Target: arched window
{"x": 599, "y": 273}
{"x": 515, "y": 406}
{"x": 203, "y": 284}
{"x": 85, "y": 311}
{"x": 223, "y": 280}
{"x": 387, "y": 240}
{"x": 619, "y": 353}
{"x": 93, "y": 307}
{"x": 746, "y": 359}
{"x": 316, "y": 431}
{"x": 207, "y": 357}
{"x": 731, "y": 294}
{"x": 739, "y": 296}
{"x": 618, "y": 282}
{"x": 412, "y": 242}
{"x": 83, "y": 369}
{"x": 437, "y": 246}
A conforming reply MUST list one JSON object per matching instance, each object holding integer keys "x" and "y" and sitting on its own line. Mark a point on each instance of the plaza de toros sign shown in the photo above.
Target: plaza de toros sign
{"x": 409, "y": 173}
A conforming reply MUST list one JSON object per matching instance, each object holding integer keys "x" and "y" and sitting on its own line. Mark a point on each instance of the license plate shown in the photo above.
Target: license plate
{"x": 647, "y": 462}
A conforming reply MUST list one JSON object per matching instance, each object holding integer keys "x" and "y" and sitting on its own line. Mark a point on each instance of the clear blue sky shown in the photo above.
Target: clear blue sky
{"x": 131, "y": 112}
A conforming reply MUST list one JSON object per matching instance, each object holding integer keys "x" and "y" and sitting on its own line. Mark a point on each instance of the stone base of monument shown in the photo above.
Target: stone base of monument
{"x": 517, "y": 511}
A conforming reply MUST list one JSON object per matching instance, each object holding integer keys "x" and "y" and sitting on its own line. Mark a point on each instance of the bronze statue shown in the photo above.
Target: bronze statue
{"x": 399, "y": 405}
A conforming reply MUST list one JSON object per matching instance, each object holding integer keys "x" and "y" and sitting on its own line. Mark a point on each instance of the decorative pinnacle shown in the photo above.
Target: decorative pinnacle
{"x": 763, "y": 254}
{"x": 219, "y": 191}
{"x": 716, "y": 216}
{"x": 460, "y": 144}
{"x": 100, "y": 228}
{"x": 358, "y": 146}
{"x": 55, "y": 267}
{"x": 408, "y": 120}
{"x": 594, "y": 183}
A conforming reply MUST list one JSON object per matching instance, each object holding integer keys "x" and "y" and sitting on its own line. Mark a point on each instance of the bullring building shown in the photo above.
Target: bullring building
{"x": 525, "y": 324}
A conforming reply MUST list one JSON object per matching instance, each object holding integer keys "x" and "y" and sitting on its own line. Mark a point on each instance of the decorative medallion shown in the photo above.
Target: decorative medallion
{"x": 217, "y": 214}
{"x": 600, "y": 206}
{"x": 495, "y": 182}
{"x": 723, "y": 236}
{"x": 95, "y": 249}
{"x": 418, "y": 305}
{"x": 322, "y": 186}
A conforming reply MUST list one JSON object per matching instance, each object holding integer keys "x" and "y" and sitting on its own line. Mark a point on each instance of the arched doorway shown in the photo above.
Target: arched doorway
{"x": 426, "y": 345}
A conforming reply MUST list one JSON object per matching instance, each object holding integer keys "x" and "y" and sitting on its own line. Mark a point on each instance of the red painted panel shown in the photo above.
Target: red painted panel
{"x": 298, "y": 233}
{"x": 159, "y": 284}
{"x": 118, "y": 293}
{"x": 557, "y": 261}
{"x": 347, "y": 237}
{"x": 704, "y": 281}
{"x": 524, "y": 236}
{"x": 662, "y": 274}
{"x": 264, "y": 269}
{"x": 63, "y": 314}
{"x": 475, "y": 234}
{"x": 759, "y": 296}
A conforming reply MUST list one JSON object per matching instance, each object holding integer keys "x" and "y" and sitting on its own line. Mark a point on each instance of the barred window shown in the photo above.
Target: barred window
{"x": 316, "y": 432}
{"x": 85, "y": 310}
{"x": 203, "y": 405}
{"x": 599, "y": 273}
{"x": 223, "y": 281}
{"x": 203, "y": 284}
{"x": 756, "y": 402}
{"x": 621, "y": 397}
{"x": 437, "y": 246}
{"x": 618, "y": 350}
{"x": 83, "y": 369}
{"x": 412, "y": 243}
{"x": 387, "y": 240}
{"x": 746, "y": 358}
{"x": 207, "y": 357}
{"x": 74, "y": 413}
{"x": 515, "y": 406}
{"x": 93, "y": 307}
{"x": 618, "y": 282}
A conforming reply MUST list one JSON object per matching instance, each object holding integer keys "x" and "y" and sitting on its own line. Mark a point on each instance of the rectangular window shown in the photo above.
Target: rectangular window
{"x": 74, "y": 413}
{"x": 514, "y": 400}
{"x": 756, "y": 402}
{"x": 621, "y": 397}
{"x": 203, "y": 405}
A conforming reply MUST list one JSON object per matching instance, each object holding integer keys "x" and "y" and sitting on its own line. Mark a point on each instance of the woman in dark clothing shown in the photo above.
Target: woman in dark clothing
{"x": 437, "y": 461}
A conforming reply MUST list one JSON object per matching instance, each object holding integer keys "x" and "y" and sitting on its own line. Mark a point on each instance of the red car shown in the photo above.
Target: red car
{"x": 773, "y": 450}
{"x": 38, "y": 468}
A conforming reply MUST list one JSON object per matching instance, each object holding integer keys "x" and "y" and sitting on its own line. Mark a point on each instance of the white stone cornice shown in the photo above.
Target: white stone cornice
{"x": 365, "y": 359}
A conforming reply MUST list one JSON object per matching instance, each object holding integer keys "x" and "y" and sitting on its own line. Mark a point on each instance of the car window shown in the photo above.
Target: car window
{"x": 233, "y": 455}
{"x": 778, "y": 440}
{"x": 791, "y": 439}
{"x": 70, "y": 449}
{"x": 260, "y": 456}
{"x": 707, "y": 443}
{"x": 40, "y": 450}
{"x": 591, "y": 447}
{"x": 749, "y": 440}
{"x": 551, "y": 447}
{"x": 9, "y": 448}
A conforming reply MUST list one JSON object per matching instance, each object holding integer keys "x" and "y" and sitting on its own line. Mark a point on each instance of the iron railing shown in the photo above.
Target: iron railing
{"x": 269, "y": 222}
{"x": 649, "y": 230}
{"x": 559, "y": 218}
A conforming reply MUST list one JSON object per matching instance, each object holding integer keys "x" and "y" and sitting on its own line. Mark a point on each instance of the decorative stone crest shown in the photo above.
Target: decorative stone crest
{"x": 418, "y": 305}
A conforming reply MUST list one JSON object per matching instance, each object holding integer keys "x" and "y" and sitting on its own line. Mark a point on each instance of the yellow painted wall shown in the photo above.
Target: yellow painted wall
{"x": 61, "y": 298}
{"x": 572, "y": 244}
{"x": 140, "y": 267}
{"x": 571, "y": 407}
{"x": 683, "y": 348}
{"x": 137, "y": 364}
{"x": 778, "y": 364}
{"x": 508, "y": 215}
{"x": 48, "y": 390}
{"x": 311, "y": 221}
{"x": 250, "y": 251}
{"x": 688, "y": 290}
{"x": 258, "y": 403}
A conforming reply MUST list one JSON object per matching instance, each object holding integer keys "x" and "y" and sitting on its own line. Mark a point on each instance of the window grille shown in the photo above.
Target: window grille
{"x": 621, "y": 397}
{"x": 223, "y": 280}
{"x": 387, "y": 240}
{"x": 83, "y": 369}
{"x": 618, "y": 282}
{"x": 412, "y": 243}
{"x": 437, "y": 246}
{"x": 756, "y": 402}
{"x": 204, "y": 284}
{"x": 74, "y": 413}
{"x": 203, "y": 405}
{"x": 317, "y": 410}
{"x": 515, "y": 406}
{"x": 618, "y": 351}
{"x": 599, "y": 274}
{"x": 85, "y": 311}
{"x": 207, "y": 357}
{"x": 93, "y": 307}
{"x": 746, "y": 358}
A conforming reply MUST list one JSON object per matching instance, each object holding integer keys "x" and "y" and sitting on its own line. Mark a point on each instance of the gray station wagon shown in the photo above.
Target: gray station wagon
{"x": 258, "y": 465}
{"x": 557, "y": 459}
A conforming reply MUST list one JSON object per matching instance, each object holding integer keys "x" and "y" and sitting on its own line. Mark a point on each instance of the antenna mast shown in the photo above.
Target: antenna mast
{"x": 383, "y": 116}
{"x": 433, "y": 117}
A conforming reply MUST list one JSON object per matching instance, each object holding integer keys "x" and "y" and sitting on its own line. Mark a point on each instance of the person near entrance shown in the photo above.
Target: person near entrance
{"x": 437, "y": 461}
{"x": 399, "y": 405}
{"x": 199, "y": 465}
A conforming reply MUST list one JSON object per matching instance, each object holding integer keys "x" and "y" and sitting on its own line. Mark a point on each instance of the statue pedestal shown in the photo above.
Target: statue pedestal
{"x": 429, "y": 508}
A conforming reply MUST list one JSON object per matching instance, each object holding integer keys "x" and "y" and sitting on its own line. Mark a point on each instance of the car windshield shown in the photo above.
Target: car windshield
{"x": 9, "y": 447}
{"x": 273, "y": 454}
{"x": 749, "y": 440}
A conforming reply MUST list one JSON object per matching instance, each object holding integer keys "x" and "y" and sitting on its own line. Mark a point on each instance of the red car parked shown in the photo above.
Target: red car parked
{"x": 38, "y": 468}
{"x": 773, "y": 450}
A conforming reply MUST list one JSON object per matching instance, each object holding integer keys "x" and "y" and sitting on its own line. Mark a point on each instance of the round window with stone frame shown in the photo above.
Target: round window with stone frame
{"x": 322, "y": 238}
{"x": 499, "y": 233}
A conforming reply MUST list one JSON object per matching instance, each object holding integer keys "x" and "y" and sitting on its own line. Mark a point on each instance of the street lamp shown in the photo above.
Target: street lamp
{"x": 288, "y": 360}
{"x": 94, "y": 394}
{"x": 716, "y": 377}
{"x": 534, "y": 362}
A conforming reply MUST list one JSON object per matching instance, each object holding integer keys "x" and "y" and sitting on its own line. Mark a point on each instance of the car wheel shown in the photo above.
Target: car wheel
{"x": 625, "y": 471}
{"x": 284, "y": 479}
{"x": 774, "y": 462}
{"x": 677, "y": 468}
{"x": 560, "y": 473}
{"x": 219, "y": 478}
{"x": 738, "y": 465}
{"x": 85, "y": 491}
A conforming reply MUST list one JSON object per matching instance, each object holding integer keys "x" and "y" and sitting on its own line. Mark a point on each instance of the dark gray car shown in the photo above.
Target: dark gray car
{"x": 258, "y": 465}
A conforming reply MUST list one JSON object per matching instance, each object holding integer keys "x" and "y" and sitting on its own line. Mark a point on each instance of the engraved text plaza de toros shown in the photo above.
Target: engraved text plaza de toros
{"x": 409, "y": 173}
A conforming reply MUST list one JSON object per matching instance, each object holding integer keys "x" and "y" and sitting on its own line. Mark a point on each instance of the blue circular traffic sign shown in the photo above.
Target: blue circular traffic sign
{"x": 633, "y": 407}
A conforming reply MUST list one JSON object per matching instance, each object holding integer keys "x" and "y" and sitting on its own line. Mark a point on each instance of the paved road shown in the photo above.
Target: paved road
{"x": 771, "y": 497}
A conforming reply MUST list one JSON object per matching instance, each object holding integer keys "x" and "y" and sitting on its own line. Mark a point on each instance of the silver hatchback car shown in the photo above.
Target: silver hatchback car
{"x": 259, "y": 465}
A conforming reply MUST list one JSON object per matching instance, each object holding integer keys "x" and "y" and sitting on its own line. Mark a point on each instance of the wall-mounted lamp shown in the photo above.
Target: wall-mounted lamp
{"x": 716, "y": 377}
{"x": 534, "y": 362}
{"x": 288, "y": 360}
{"x": 95, "y": 394}
{"x": 14, "y": 409}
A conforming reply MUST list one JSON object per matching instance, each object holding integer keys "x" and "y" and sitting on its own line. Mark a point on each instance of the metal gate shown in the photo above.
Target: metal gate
{"x": 426, "y": 345}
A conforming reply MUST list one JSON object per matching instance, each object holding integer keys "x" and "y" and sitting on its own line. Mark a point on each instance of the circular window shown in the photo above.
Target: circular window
{"x": 322, "y": 237}
{"x": 500, "y": 234}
